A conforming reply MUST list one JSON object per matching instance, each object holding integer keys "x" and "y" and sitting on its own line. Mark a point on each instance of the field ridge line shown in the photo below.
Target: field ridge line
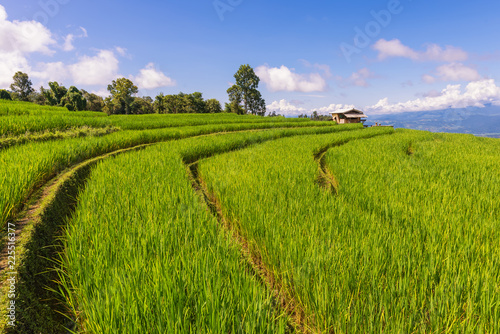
{"x": 39, "y": 201}
{"x": 325, "y": 178}
{"x": 301, "y": 321}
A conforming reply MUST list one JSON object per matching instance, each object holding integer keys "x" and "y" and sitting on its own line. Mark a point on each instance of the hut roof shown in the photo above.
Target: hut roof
{"x": 350, "y": 113}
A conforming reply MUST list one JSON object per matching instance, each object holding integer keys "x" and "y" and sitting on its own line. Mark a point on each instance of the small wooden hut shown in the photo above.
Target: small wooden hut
{"x": 348, "y": 116}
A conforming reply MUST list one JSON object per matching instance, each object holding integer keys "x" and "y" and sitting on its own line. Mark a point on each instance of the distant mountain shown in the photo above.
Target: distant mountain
{"x": 478, "y": 121}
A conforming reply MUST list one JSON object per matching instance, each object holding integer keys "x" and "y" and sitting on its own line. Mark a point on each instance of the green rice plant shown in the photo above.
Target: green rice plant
{"x": 438, "y": 209}
{"x": 408, "y": 244}
{"x": 144, "y": 255}
{"x": 23, "y": 168}
{"x": 18, "y": 108}
{"x": 55, "y": 135}
{"x": 18, "y": 118}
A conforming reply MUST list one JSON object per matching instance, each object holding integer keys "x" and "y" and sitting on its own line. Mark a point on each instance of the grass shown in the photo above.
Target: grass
{"x": 165, "y": 266}
{"x": 40, "y": 161}
{"x": 19, "y": 118}
{"x": 407, "y": 245}
{"x": 366, "y": 230}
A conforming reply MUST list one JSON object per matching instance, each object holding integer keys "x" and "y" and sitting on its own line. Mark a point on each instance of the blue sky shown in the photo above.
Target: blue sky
{"x": 380, "y": 56}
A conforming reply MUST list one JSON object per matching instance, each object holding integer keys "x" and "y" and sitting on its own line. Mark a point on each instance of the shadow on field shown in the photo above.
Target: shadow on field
{"x": 39, "y": 307}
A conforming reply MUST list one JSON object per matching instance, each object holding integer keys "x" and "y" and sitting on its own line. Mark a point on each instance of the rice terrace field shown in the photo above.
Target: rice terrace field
{"x": 225, "y": 223}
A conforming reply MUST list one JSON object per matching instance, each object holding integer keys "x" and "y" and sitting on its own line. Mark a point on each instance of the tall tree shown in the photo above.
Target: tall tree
{"x": 57, "y": 92}
{"x": 194, "y": 103}
{"x": 213, "y": 106}
{"x": 159, "y": 104}
{"x": 122, "y": 91}
{"x": 74, "y": 100}
{"x": 245, "y": 91}
{"x": 174, "y": 104}
{"x": 22, "y": 86}
{"x": 142, "y": 105}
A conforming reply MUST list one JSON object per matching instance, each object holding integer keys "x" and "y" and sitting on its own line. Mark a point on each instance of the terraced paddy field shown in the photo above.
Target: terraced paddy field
{"x": 243, "y": 224}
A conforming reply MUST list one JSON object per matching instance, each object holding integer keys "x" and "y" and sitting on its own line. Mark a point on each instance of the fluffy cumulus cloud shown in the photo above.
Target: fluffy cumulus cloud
{"x": 285, "y": 79}
{"x": 99, "y": 69}
{"x": 394, "y": 48}
{"x": 55, "y": 71}
{"x": 285, "y": 108}
{"x": 151, "y": 78}
{"x": 10, "y": 63}
{"x": 17, "y": 40}
{"x": 24, "y": 36}
{"x": 475, "y": 94}
{"x": 20, "y": 39}
{"x": 95, "y": 70}
{"x": 453, "y": 72}
{"x": 334, "y": 108}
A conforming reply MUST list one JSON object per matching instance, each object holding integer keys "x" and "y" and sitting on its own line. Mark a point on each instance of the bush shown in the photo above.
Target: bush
{"x": 5, "y": 95}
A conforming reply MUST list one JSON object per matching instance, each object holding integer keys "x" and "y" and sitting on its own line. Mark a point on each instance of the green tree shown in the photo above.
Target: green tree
{"x": 213, "y": 106}
{"x": 159, "y": 104}
{"x": 245, "y": 92}
{"x": 55, "y": 94}
{"x": 174, "y": 104}
{"x": 94, "y": 102}
{"x": 5, "y": 95}
{"x": 74, "y": 100}
{"x": 234, "y": 107}
{"x": 194, "y": 103}
{"x": 142, "y": 105}
{"x": 122, "y": 91}
{"x": 22, "y": 86}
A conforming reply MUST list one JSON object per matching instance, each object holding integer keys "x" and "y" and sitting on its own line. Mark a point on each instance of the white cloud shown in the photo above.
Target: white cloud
{"x": 394, "y": 48}
{"x": 84, "y": 32}
{"x": 102, "y": 93}
{"x": 151, "y": 78}
{"x": 291, "y": 109}
{"x": 476, "y": 94}
{"x": 334, "y": 107}
{"x": 97, "y": 70}
{"x": 284, "y": 79}
{"x": 56, "y": 71}
{"x": 68, "y": 40}
{"x": 24, "y": 36}
{"x": 285, "y": 108}
{"x": 17, "y": 40}
{"x": 453, "y": 72}
{"x": 360, "y": 77}
{"x": 121, "y": 51}
{"x": 100, "y": 69}
{"x": 10, "y": 63}
{"x": 68, "y": 43}
{"x": 428, "y": 78}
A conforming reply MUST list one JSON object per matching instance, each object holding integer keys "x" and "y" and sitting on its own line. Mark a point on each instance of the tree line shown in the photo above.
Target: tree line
{"x": 122, "y": 99}
{"x": 244, "y": 98}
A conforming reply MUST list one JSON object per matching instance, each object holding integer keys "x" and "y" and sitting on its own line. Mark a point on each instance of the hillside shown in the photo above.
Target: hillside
{"x": 478, "y": 121}
{"x": 234, "y": 223}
